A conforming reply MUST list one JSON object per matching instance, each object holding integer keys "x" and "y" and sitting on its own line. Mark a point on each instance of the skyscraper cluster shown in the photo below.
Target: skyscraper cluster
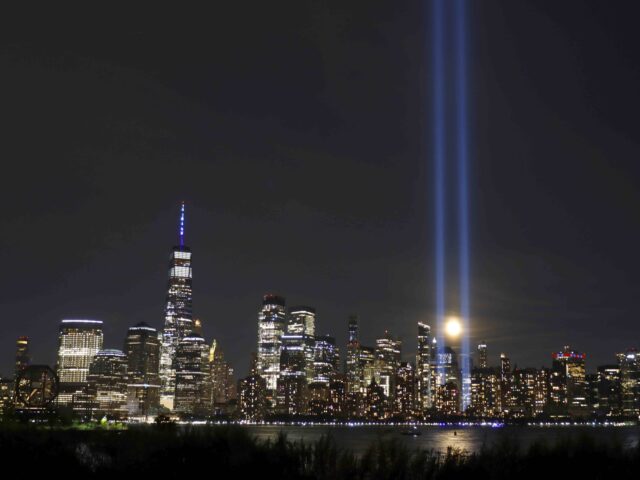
{"x": 297, "y": 373}
{"x": 375, "y": 384}
{"x": 171, "y": 370}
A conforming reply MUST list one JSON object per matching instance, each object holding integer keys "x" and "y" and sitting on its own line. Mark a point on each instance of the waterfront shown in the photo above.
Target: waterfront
{"x": 438, "y": 439}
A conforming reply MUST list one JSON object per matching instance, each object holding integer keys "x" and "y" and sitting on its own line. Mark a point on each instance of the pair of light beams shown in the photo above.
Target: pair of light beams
{"x": 449, "y": 153}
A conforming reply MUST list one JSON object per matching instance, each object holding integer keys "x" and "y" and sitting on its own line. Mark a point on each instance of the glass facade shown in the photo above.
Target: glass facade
{"x": 142, "y": 347}
{"x": 107, "y": 384}
{"x": 192, "y": 394}
{"x": 423, "y": 368}
{"x": 78, "y": 343}
{"x": 271, "y": 326}
{"x": 178, "y": 315}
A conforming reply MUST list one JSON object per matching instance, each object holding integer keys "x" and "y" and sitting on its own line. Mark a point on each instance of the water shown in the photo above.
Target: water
{"x": 469, "y": 439}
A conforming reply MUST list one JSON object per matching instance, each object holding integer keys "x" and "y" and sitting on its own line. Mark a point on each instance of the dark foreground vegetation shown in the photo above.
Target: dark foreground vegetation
{"x": 162, "y": 452}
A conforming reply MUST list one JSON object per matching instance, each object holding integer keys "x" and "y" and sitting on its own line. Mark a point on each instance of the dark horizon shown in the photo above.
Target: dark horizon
{"x": 299, "y": 137}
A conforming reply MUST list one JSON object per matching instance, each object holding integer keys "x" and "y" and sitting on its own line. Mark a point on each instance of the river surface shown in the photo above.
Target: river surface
{"x": 469, "y": 439}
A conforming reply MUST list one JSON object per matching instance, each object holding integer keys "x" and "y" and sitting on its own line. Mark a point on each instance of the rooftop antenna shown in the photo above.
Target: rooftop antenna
{"x": 181, "y": 229}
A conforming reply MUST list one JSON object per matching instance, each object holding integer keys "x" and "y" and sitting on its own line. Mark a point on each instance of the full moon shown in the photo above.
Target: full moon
{"x": 453, "y": 327}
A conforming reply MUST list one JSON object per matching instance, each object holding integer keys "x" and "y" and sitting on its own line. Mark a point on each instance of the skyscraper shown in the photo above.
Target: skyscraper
{"x": 609, "y": 390}
{"x": 404, "y": 402}
{"x": 292, "y": 382}
{"x": 142, "y": 347}
{"x": 386, "y": 364}
{"x": 448, "y": 382}
{"x": 178, "y": 315}
{"x": 22, "y": 354}
{"x": 482, "y": 355}
{"x": 302, "y": 320}
{"x": 78, "y": 343}
{"x": 223, "y": 387}
{"x": 107, "y": 383}
{"x": 271, "y": 327}
{"x": 571, "y": 368}
{"x": 326, "y": 359}
{"x": 252, "y": 394}
{"x": 629, "y": 363}
{"x": 353, "y": 366}
{"x": 423, "y": 369}
{"x": 193, "y": 394}
{"x": 301, "y": 331}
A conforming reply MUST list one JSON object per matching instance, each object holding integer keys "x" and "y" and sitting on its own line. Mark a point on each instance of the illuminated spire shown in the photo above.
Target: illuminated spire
{"x": 181, "y": 229}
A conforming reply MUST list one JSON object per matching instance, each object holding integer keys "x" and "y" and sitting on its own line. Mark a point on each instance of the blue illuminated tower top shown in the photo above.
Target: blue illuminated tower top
{"x": 181, "y": 228}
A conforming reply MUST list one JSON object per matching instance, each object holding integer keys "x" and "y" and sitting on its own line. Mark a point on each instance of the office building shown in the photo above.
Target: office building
{"x": 424, "y": 400}
{"x": 23, "y": 360}
{"x": 107, "y": 384}
{"x": 142, "y": 347}
{"x": 272, "y": 324}
{"x": 629, "y": 363}
{"x": 252, "y": 395}
{"x": 178, "y": 313}
{"x": 78, "y": 342}
{"x": 192, "y": 394}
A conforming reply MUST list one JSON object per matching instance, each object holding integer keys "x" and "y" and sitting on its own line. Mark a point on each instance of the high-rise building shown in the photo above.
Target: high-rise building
{"x": 609, "y": 390}
{"x": 387, "y": 361}
{"x": 486, "y": 400}
{"x": 405, "y": 394}
{"x": 423, "y": 375}
{"x": 326, "y": 359}
{"x": 302, "y": 320}
{"x": 293, "y": 379}
{"x": 6, "y": 395}
{"x": 629, "y": 363}
{"x": 78, "y": 343}
{"x": 593, "y": 399}
{"x": 22, "y": 355}
{"x": 542, "y": 390}
{"x": 353, "y": 366}
{"x": 252, "y": 394}
{"x": 271, "y": 326}
{"x": 223, "y": 388}
{"x": 506, "y": 383}
{"x": 178, "y": 314}
{"x": 482, "y": 355}
{"x": 523, "y": 391}
{"x": 376, "y": 404}
{"x": 107, "y": 384}
{"x": 142, "y": 347}
{"x": 338, "y": 393}
{"x": 448, "y": 382}
{"x": 570, "y": 368}
{"x": 192, "y": 396}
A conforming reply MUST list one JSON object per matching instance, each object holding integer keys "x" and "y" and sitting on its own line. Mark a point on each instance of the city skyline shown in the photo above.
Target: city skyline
{"x": 297, "y": 373}
{"x": 301, "y": 145}
{"x": 342, "y": 337}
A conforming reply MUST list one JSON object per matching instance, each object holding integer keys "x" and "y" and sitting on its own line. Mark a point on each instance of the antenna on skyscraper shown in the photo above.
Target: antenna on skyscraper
{"x": 181, "y": 230}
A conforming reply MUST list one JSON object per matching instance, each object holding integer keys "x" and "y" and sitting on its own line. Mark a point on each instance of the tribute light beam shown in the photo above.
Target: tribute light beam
{"x": 462, "y": 150}
{"x": 439, "y": 166}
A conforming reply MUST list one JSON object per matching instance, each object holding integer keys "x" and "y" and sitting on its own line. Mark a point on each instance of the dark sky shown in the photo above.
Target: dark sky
{"x": 299, "y": 135}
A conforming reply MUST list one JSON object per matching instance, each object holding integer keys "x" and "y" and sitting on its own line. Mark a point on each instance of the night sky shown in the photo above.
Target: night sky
{"x": 298, "y": 133}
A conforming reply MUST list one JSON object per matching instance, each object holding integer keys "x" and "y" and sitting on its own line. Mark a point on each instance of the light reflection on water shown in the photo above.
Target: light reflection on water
{"x": 469, "y": 439}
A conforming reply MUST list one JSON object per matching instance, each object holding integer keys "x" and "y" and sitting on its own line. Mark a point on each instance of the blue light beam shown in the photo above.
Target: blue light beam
{"x": 439, "y": 152}
{"x": 462, "y": 150}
